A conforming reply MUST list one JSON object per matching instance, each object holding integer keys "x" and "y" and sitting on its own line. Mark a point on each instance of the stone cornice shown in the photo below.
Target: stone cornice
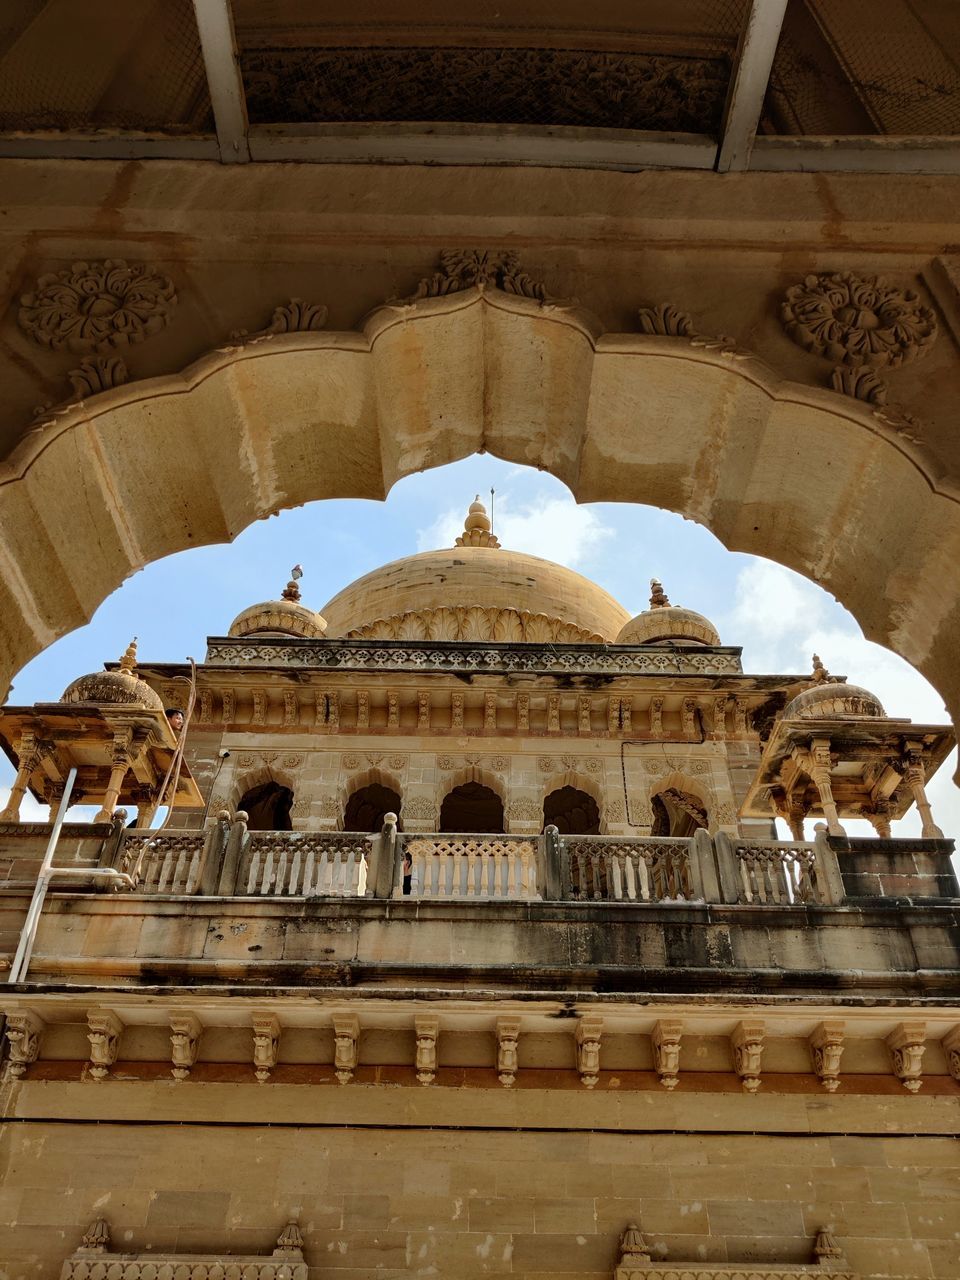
{"x": 417, "y": 656}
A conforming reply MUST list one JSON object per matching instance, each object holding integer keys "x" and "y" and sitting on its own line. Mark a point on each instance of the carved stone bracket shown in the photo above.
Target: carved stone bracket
{"x": 346, "y": 1039}
{"x": 826, "y": 1049}
{"x": 951, "y": 1047}
{"x": 747, "y": 1044}
{"x": 666, "y": 1052}
{"x": 104, "y": 1029}
{"x": 461, "y": 269}
{"x": 23, "y": 1031}
{"x": 266, "y": 1044}
{"x": 907, "y": 1044}
{"x": 508, "y": 1035}
{"x": 589, "y": 1031}
{"x": 427, "y": 1030}
{"x": 185, "y": 1032}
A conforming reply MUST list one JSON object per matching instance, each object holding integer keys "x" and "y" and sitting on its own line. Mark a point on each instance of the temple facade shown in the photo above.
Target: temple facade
{"x": 446, "y": 930}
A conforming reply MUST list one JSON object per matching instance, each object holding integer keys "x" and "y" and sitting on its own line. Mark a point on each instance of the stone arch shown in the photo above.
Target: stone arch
{"x": 472, "y": 776}
{"x": 694, "y": 427}
{"x": 686, "y": 784}
{"x": 572, "y": 810}
{"x": 589, "y": 783}
{"x": 355, "y": 781}
{"x": 250, "y": 779}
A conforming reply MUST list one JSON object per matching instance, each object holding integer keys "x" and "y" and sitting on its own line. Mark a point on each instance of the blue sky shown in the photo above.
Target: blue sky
{"x": 779, "y": 618}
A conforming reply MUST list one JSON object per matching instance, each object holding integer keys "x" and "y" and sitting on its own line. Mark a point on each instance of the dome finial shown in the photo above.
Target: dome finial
{"x": 820, "y": 673}
{"x": 292, "y": 590}
{"x": 658, "y": 597}
{"x": 476, "y": 527}
{"x": 128, "y": 662}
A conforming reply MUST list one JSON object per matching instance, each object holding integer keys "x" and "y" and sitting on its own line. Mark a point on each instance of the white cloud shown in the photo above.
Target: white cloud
{"x": 552, "y": 527}
{"x": 31, "y": 810}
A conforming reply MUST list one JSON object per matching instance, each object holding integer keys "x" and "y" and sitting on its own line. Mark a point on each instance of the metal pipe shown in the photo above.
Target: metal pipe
{"x": 28, "y": 934}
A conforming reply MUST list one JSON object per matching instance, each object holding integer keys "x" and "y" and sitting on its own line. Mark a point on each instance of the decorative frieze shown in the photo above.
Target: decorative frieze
{"x": 666, "y": 1052}
{"x": 508, "y": 1036}
{"x": 393, "y": 711}
{"x": 346, "y": 1045}
{"x": 456, "y": 711}
{"x": 589, "y": 1031}
{"x": 584, "y": 708}
{"x": 185, "y": 1032}
{"x": 23, "y": 1030}
{"x": 490, "y": 712}
{"x": 104, "y": 1029}
{"x": 826, "y": 1049}
{"x": 363, "y": 709}
{"x": 266, "y": 1044}
{"x": 423, "y": 709}
{"x": 747, "y": 1045}
{"x": 907, "y": 1044}
{"x": 291, "y": 708}
{"x": 427, "y": 1028}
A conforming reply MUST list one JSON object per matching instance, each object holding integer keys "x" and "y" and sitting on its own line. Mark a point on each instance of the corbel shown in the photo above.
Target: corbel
{"x": 508, "y": 1034}
{"x": 346, "y": 1040}
{"x": 589, "y": 1031}
{"x": 266, "y": 1044}
{"x": 666, "y": 1052}
{"x": 826, "y": 1049}
{"x": 427, "y": 1028}
{"x": 185, "y": 1032}
{"x": 24, "y": 1030}
{"x": 907, "y": 1043}
{"x": 747, "y": 1044}
{"x": 951, "y": 1047}
{"x": 104, "y": 1029}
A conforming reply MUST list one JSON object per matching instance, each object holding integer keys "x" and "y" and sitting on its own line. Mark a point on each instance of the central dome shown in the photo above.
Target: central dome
{"x": 475, "y": 591}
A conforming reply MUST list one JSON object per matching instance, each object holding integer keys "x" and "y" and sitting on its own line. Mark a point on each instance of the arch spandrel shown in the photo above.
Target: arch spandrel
{"x": 817, "y": 481}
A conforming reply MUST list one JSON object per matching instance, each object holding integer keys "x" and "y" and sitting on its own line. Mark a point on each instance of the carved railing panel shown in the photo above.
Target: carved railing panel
{"x": 164, "y": 862}
{"x": 625, "y": 870}
{"x": 780, "y": 872}
{"x": 287, "y": 864}
{"x": 472, "y": 866}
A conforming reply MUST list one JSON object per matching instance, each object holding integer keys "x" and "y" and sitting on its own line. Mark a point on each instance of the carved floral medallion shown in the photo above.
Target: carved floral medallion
{"x": 96, "y": 306}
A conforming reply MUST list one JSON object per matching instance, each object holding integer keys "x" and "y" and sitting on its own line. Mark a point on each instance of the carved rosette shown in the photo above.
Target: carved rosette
{"x": 97, "y": 306}
{"x": 858, "y": 320}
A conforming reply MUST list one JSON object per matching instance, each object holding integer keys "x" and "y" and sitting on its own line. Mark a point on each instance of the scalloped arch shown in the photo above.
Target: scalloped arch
{"x": 803, "y": 476}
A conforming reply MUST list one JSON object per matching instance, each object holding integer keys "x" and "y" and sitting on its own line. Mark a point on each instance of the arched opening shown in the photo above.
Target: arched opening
{"x": 367, "y": 806}
{"x": 473, "y": 808}
{"x": 572, "y": 812}
{"x": 268, "y": 807}
{"x": 677, "y": 813}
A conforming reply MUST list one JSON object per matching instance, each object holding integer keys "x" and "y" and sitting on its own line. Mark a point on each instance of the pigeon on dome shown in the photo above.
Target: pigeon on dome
{"x": 477, "y": 528}
{"x": 666, "y": 623}
{"x": 122, "y": 686}
{"x": 284, "y": 617}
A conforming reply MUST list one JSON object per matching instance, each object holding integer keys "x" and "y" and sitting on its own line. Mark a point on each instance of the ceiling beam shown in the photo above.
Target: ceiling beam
{"x": 867, "y": 154}
{"x": 219, "y": 44}
{"x": 748, "y": 85}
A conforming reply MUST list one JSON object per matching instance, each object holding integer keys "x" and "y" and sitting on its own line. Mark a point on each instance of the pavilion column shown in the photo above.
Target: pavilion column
{"x": 29, "y": 753}
{"x": 879, "y": 819}
{"x": 913, "y": 776}
{"x": 118, "y": 771}
{"x": 820, "y": 773}
{"x": 53, "y": 795}
{"x": 796, "y": 812}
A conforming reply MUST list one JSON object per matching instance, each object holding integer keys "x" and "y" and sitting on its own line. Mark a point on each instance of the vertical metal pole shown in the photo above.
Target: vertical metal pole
{"x": 18, "y": 970}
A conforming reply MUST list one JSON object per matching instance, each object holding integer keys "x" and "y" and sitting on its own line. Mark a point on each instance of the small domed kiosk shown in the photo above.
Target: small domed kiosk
{"x": 666, "y": 623}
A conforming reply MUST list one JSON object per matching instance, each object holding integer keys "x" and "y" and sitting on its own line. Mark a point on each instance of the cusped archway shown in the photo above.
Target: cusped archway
{"x": 814, "y": 480}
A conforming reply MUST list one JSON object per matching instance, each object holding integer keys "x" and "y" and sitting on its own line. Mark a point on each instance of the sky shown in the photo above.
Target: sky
{"x": 778, "y": 617}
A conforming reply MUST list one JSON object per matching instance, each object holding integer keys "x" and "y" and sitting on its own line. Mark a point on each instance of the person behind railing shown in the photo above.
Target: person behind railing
{"x": 407, "y": 872}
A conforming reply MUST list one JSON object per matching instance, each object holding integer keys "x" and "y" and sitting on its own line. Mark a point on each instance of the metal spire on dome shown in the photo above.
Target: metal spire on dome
{"x": 291, "y": 591}
{"x": 476, "y": 528}
{"x": 128, "y": 662}
{"x": 658, "y": 597}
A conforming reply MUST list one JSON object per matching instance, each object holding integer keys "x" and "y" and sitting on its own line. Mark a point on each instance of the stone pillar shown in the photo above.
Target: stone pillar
{"x": 819, "y": 768}
{"x": 879, "y": 818}
{"x": 913, "y": 776}
{"x": 118, "y": 771}
{"x": 28, "y": 751}
{"x": 53, "y": 795}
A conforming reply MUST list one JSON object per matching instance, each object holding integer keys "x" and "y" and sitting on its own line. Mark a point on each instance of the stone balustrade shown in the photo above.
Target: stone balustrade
{"x": 304, "y": 864}
{"x": 778, "y": 872}
{"x": 627, "y": 870}
{"x": 165, "y": 862}
{"x": 472, "y": 866}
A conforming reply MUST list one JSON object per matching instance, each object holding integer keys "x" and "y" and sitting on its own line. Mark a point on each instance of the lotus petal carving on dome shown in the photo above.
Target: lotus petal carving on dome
{"x": 475, "y": 623}
{"x": 96, "y": 306}
{"x": 858, "y": 320}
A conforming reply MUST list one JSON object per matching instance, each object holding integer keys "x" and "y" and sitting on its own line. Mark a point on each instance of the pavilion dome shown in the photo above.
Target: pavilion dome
{"x": 123, "y": 686}
{"x": 666, "y": 623}
{"x": 475, "y": 591}
{"x": 283, "y": 617}
{"x": 828, "y": 698}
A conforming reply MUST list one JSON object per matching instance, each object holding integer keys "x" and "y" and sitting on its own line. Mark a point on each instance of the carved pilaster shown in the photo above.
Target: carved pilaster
{"x": 613, "y": 715}
{"x": 589, "y": 1031}
{"x": 456, "y": 711}
{"x": 666, "y": 1052}
{"x": 363, "y": 709}
{"x": 266, "y": 1044}
{"x": 907, "y": 1044}
{"x": 423, "y": 709}
{"x": 291, "y": 708}
{"x": 688, "y": 717}
{"x": 346, "y": 1041}
{"x": 656, "y": 717}
{"x": 747, "y": 1044}
{"x": 508, "y": 1035}
{"x": 523, "y": 712}
{"x": 584, "y": 708}
{"x": 914, "y": 777}
{"x": 826, "y": 1049}
{"x": 490, "y": 712}
{"x": 553, "y": 713}
{"x": 23, "y": 1031}
{"x": 185, "y": 1032}
{"x": 104, "y": 1029}
{"x": 427, "y": 1029}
